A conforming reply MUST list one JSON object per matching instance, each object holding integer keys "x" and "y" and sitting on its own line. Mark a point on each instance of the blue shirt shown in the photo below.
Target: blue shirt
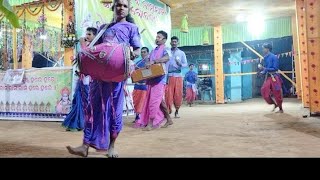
{"x": 138, "y": 86}
{"x": 191, "y": 77}
{"x": 271, "y": 63}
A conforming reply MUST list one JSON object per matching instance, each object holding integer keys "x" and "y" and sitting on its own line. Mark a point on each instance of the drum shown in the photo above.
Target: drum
{"x": 106, "y": 62}
{"x": 155, "y": 70}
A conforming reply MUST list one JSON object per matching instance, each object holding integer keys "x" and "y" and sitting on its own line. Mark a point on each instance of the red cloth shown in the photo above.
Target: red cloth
{"x": 139, "y": 97}
{"x": 190, "y": 95}
{"x": 271, "y": 88}
{"x": 174, "y": 92}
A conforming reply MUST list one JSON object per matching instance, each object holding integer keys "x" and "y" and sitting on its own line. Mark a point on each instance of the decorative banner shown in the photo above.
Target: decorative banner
{"x": 257, "y": 60}
{"x": 151, "y": 15}
{"x": 45, "y": 93}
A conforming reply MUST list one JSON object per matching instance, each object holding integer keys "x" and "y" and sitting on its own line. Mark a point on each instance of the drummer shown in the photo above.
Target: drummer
{"x": 153, "y": 112}
{"x": 140, "y": 88}
{"x": 104, "y": 113}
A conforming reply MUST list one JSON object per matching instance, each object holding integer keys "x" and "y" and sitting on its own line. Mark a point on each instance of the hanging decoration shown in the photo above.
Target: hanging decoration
{"x": 33, "y": 8}
{"x": 105, "y": 2}
{"x": 184, "y": 24}
{"x": 41, "y": 32}
{"x": 62, "y": 24}
{"x": 257, "y": 60}
{"x": 5, "y": 47}
{"x": 69, "y": 38}
{"x": 205, "y": 37}
{"x": 1, "y": 48}
{"x": 20, "y": 43}
{"x": 35, "y": 11}
{"x": 52, "y": 7}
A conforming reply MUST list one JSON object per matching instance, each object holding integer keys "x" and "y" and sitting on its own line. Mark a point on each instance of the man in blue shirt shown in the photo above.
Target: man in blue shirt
{"x": 272, "y": 84}
{"x": 140, "y": 88}
{"x": 191, "y": 78}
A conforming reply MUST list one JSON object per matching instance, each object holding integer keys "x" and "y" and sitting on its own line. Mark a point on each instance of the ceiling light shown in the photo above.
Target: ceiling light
{"x": 241, "y": 18}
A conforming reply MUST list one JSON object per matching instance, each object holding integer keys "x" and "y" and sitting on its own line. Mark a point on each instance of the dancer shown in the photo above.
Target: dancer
{"x": 103, "y": 121}
{"x": 272, "y": 84}
{"x": 191, "y": 79}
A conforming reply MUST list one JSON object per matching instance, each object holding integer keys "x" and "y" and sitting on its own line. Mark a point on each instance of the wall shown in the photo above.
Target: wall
{"x": 194, "y": 36}
{"x": 274, "y": 28}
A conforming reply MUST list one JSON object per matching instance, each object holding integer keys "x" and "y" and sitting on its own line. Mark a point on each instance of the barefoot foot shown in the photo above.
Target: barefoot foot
{"x": 274, "y": 108}
{"x": 176, "y": 114}
{"x": 168, "y": 123}
{"x": 79, "y": 151}
{"x": 280, "y": 111}
{"x": 112, "y": 153}
{"x": 148, "y": 128}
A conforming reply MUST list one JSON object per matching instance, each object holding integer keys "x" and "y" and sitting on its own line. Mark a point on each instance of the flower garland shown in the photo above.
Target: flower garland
{"x": 69, "y": 38}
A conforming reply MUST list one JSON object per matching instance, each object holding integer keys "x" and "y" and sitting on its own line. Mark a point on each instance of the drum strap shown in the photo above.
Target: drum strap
{"x": 88, "y": 54}
{"x": 112, "y": 52}
{"x": 98, "y": 36}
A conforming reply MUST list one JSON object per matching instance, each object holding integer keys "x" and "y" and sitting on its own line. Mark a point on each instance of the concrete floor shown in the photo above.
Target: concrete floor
{"x": 246, "y": 129}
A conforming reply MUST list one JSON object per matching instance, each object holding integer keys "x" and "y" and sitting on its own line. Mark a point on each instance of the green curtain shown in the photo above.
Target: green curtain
{"x": 19, "y": 2}
{"x": 193, "y": 37}
{"x": 274, "y": 28}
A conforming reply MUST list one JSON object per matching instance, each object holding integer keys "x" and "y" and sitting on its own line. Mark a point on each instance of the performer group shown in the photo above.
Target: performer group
{"x": 98, "y": 105}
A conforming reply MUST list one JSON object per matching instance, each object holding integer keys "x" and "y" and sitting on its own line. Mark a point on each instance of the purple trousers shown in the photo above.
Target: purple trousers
{"x": 103, "y": 113}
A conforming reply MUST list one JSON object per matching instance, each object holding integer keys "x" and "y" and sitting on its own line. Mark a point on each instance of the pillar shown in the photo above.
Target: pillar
{"x": 14, "y": 48}
{"x": 218, "y": 62}
{"x": 296, "y": 56}
{"x": 313, "y": 32}
{"x": 303, "y": 50}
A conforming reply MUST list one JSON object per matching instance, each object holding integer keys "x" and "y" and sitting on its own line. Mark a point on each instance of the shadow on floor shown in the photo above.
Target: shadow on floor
{"x": 288, "y": 121}
{"x": 20, "y": 150}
